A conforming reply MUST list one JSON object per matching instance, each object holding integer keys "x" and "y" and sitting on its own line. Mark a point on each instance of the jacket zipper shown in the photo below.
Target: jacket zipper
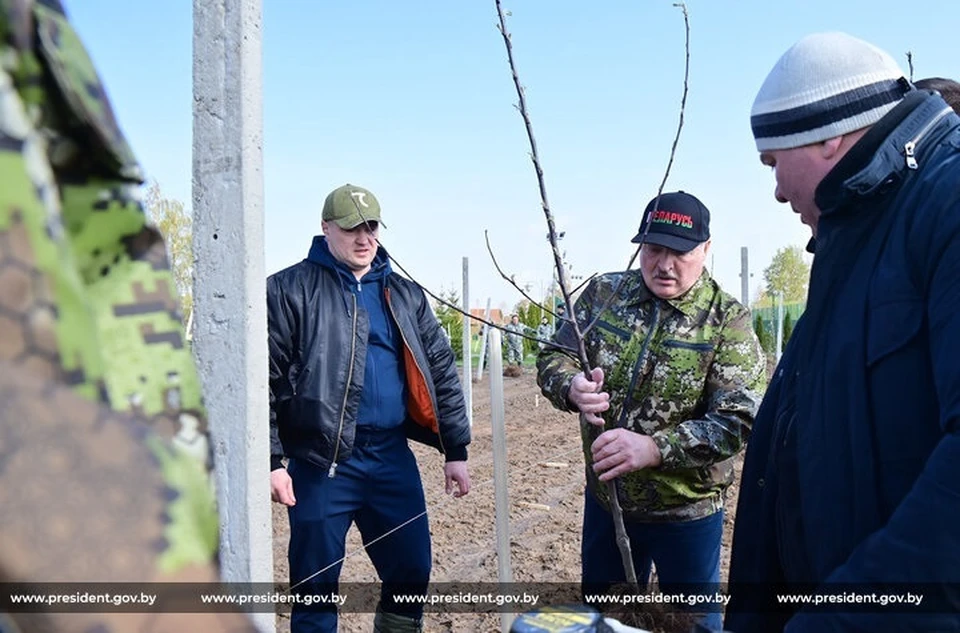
{"x": 910, "y": 147}
{"x": 346, "y": 392}
{"x": 414, "y": 357}
{"x": 641, "y": 359}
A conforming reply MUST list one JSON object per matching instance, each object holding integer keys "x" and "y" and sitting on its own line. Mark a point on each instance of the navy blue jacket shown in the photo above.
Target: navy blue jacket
{"x": 319, "y": 334}
{"x": 383, "y": 398}
{"x": 852, "y": 474}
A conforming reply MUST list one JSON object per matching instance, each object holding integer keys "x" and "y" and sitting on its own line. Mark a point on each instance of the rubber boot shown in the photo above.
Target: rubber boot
{"x": 393, "y": 623}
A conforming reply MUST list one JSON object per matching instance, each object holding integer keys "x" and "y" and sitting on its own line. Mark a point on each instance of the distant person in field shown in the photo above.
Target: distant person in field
{"x": 514, "y": 339}
{"x": 852, "y": 476}
{"x": 677, "y": 376}
{"x": 544, "y": 331}
{"x": 358, "y": 364}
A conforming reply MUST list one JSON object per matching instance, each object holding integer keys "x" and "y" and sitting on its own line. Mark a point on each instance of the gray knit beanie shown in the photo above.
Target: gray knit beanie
{"x": 825, "y": 85}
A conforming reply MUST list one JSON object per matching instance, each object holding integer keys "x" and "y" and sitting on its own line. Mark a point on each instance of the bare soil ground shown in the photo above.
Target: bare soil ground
{"x": 546, "y": 506}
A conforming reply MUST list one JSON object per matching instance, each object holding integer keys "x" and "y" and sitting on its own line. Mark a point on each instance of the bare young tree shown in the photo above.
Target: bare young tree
{"x": 623, "y": 541}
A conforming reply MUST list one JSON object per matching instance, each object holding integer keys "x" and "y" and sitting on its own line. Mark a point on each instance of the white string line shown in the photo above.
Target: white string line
{"x": 438, "y": 506}
{"x": 362, "y": 548}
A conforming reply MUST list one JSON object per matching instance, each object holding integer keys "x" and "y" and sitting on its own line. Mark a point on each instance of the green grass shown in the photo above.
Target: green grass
{"x": 530, "y": 360}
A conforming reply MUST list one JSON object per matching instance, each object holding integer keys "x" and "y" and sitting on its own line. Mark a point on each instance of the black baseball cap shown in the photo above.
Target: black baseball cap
{"x": 680, "y": 222}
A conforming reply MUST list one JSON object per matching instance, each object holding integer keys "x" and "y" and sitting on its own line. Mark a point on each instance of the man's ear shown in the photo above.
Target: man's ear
{"x": 324, "y": 226}
{"x": 830, "y": 148}
{"x": 833, "y": 149}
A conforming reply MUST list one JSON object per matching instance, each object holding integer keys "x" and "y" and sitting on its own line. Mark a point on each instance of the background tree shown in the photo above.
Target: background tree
{"x": 789, "y": 274}
{"x": 763, "y": 334}
{"x": 176, "y": 226}
{"x": 760, "y": 298}
{"x": 451, "y": 320}
{"x": 787, "y": 329}
{"x": 530, "y": 315}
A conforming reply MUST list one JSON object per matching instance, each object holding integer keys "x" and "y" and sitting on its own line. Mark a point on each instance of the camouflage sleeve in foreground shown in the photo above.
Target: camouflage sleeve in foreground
{"x": 95, "y": 496}
{"x": 103, "y": 449}
{"x": 735, "y": 385}
{"x": 556, "y": 367}
{"x": 70, "y": 214}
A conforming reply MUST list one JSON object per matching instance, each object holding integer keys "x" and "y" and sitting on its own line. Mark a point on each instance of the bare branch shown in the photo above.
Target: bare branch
{"x": 683, "y": 100}
{"x": 510, "y": 280}
{"x": 582, "y": 284}
{"x": 910, "y": 63}
{"x": 367, "y": 224}
{"x": 623, "y": 541}
{"x": 534, "y": 156}
{"x": 666, "y": 173}
{"x": 563, "y": 348}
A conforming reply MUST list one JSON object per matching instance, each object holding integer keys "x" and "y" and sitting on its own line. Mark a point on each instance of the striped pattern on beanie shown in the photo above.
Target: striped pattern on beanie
{"x": 825, "y": 85}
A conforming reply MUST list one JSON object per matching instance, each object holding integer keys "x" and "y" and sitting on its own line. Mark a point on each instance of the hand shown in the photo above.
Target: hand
{"x": 456, "y": 473}
{"x": 619, "y": 451}
{"x": 586, "y": 396}
{"x": 281, "y": 487}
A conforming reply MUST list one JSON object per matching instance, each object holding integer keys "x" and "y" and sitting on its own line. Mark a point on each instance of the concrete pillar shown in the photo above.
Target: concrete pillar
{"x": 230, "y": 291}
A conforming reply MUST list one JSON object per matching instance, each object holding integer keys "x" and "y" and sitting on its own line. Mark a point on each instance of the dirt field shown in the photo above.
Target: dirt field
{"x": 545, "y": 543}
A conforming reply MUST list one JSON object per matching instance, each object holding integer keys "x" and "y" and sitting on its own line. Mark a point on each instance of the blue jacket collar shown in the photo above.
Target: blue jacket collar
{"x": 320, "y": 254}
{"x": 878, "y": 162}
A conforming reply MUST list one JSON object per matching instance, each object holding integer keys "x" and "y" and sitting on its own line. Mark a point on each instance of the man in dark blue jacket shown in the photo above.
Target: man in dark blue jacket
{"x": 357, "y": 365}
{"x": 850, "y": 494}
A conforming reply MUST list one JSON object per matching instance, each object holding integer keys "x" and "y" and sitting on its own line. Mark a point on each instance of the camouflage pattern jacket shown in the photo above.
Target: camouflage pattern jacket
{"x": 689, "y": 372}
{"x": 544, "y": 332}
{"x": 103, "y": 444}
{"x": 514, "y": 336}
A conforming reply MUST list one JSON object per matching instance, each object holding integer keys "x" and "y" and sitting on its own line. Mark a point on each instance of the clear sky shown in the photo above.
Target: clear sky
{"x": 414, "y": 100}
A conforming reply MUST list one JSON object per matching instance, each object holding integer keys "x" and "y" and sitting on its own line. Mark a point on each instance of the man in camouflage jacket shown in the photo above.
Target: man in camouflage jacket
{"x": 514, "y": 331}
{"x": 103, "y": 448}
{"x": 544, "y": 332}
{"x": 679, "y": 374}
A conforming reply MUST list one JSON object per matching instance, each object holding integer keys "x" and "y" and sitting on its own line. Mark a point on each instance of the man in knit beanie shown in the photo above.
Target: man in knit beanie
{"x": 817, "y": 101}
{"x": 852, "y": 476}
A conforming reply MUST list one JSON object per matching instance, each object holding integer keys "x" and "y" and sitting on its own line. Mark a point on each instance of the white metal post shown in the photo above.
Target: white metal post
{"x": 779, "y": 324}
{"x": 744, "y": 277}
{"x": 499, "y": 445}
{"x": 467, "y": 353}
{"x": 483, "y": 342}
